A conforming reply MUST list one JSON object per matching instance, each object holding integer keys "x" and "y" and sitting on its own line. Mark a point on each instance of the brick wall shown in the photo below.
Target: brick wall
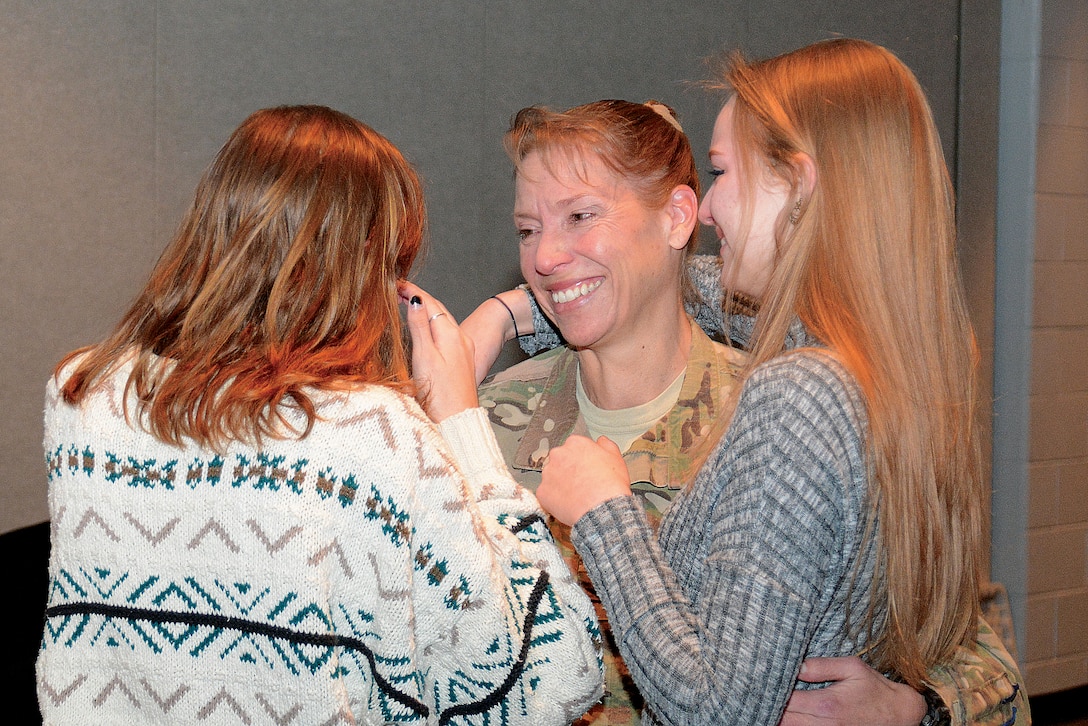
{"x": 1056, "y": 631}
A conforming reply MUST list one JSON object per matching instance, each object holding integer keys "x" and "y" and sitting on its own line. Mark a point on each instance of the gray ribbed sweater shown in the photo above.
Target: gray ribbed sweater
{"x": 754, "y": 565}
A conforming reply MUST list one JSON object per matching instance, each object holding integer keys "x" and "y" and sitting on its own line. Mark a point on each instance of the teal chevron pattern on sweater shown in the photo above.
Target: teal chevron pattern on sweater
{"x": 374, "y": 572}
{"x": 263, "y": 472}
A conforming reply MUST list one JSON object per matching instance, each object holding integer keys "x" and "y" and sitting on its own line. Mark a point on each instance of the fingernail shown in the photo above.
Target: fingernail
{"x": 415, "y": 301}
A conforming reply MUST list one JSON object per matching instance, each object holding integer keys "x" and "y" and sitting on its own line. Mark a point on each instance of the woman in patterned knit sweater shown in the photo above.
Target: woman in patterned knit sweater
{"x": 252, "y": 516}
{"x": 842, "y": 511}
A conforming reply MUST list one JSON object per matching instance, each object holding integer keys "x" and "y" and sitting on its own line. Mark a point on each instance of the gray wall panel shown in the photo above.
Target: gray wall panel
{"x": 110, "y": 110}
{"x": 76, "y": 169}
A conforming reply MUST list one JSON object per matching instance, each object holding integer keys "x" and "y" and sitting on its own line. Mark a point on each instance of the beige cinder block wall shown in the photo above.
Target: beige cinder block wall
{"x": 1056, "y": 647}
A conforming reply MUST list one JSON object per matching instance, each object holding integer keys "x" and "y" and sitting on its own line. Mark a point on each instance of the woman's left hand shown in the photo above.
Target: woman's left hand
{"x": 442, "y": 356}
{"x": 856, "y": 694}
{"x": 580, "y": 475}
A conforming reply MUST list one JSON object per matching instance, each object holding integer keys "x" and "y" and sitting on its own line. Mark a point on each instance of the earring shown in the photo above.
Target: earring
{"x": 795, "y": 214}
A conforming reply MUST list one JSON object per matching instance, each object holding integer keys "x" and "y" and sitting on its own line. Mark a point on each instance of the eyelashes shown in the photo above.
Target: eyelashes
{"x": 574, "y": 219}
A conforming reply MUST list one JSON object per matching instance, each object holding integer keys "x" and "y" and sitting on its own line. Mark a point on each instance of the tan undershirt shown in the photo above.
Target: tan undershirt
{"x": 625, "y": 425}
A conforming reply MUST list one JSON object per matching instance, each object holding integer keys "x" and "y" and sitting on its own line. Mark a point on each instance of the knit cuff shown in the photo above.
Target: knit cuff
{"x": 472, "y": 443}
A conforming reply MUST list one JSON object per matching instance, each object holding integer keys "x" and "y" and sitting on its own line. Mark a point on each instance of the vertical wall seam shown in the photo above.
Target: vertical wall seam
{"x": 1018, "y": 116}
{"x": 156, "y": 161}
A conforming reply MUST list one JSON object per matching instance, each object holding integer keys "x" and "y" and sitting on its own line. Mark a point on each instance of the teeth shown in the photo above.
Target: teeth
{"x": 573, "y": 293}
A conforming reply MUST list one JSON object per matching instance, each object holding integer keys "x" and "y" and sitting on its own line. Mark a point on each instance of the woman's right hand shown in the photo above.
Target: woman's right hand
{"x": 442, "y": 356}
{"x": 580, "y": 475}
{"x": 492, "y": 324}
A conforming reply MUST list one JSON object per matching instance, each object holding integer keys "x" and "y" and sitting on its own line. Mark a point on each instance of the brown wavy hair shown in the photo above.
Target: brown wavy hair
{"x": 869, "y": 265}
{"x": 281, "y": 277}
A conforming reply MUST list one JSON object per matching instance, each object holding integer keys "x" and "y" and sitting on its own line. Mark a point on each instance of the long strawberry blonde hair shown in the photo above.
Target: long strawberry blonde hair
{"x": 281, "y": 277}
{"x": 868, "y": 263}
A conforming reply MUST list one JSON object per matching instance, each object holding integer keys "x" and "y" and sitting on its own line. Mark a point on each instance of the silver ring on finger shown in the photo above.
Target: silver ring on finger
{"x": 436, "y": 315}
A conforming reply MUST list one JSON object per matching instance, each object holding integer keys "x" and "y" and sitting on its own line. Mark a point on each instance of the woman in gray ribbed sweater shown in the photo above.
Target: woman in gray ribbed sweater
{"x": 842, "y": 511}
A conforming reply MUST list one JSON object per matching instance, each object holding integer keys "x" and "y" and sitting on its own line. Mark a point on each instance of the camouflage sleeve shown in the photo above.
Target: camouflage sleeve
{"x": 982, "y": 684}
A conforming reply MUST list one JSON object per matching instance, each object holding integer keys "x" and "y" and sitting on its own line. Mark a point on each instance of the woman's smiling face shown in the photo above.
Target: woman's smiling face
{"x": 596, "y": 258}
{"x": 747, "y": 240}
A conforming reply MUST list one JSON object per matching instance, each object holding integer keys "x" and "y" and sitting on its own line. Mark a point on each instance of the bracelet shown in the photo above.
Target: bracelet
{"x": 937, "y": 713}
{"x": 512, "y": 319}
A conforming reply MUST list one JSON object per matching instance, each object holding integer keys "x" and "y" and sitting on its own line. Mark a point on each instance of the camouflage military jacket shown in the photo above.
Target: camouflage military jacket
{"x": 982, "y": 684}
{"x": 533, "y": 407}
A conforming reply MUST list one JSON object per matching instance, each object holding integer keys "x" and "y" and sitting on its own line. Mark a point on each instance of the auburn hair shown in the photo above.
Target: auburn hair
{"x": 868, "y": 263}
{"x": 281, "y": 277}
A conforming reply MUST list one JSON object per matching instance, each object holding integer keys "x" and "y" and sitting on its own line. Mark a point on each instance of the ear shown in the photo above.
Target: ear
{"x": 683, "y": 211}
{"x": 805, "y": 169}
